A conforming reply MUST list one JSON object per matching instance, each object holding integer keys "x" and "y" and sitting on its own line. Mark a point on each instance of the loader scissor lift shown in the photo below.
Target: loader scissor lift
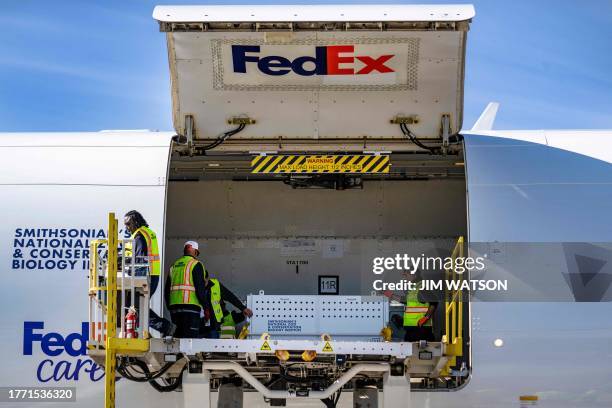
{"x": 198, "y": 367}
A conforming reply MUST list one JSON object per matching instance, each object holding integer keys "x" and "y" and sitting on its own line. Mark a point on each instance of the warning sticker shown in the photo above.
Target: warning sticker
{"x": 327, "y": 348}
{"x": 265, "y": 346}
{"x": 363, "y": 163}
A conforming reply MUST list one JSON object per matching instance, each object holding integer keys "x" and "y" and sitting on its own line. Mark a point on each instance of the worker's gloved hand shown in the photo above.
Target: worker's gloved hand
{"x": 422, "y": 321}
{"x": 247, "y": 312}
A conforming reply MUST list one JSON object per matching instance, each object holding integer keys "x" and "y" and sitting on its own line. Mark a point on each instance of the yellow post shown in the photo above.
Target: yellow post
{"x": 453, "y": 335}
{"x": 460, "y": 320}
{"x": 110, "y": 360}
{"x": 93, "y": 294}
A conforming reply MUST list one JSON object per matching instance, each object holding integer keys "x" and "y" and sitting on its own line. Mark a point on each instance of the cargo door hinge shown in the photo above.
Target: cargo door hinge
{"x": 190, "y": 133}
{"x": 445, "y": 131}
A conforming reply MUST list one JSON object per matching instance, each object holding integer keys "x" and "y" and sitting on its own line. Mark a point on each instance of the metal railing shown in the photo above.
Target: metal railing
{"x": 131, "y": 288}
{"x": 113, "y": 274}
{"x": 453, "y": 310}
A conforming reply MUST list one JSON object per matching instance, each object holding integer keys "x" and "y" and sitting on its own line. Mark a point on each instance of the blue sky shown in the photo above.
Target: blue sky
{"x": 85, "y": 65}
{"x": 75, "y": 65}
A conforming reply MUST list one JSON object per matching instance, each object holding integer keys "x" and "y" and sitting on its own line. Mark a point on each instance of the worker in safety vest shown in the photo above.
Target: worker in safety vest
{"x": 418, "y": 315}
{"x": 146, "y": 256}
{"x": 217, "y": 322}
{"x": 185, "y": 291}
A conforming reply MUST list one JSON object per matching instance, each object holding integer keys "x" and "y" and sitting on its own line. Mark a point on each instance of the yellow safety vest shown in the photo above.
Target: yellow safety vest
{"x": 182, "y": 290}
{"x": 228, "y": 328}
{"x": 152, "y": 249}
{"x": 414, "y": 309}
{"x": 215, "y": 300}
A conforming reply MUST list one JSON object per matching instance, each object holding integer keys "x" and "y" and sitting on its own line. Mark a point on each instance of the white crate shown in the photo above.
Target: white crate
{"x": 308, "y": 316}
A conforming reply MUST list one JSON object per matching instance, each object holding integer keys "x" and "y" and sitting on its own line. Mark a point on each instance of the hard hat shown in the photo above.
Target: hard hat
{"x": 193, "y": 244}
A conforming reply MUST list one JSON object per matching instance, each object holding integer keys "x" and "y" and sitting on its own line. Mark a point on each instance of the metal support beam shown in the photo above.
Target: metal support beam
{"x": 190, "y": 132}
{"x": 366, "y": 397}
{"x": 279, "y": 394}
{"x": 193, "y": 346}
{"x": 396, "y": 391}
{"x": 445, "y": 131}
{"x": 196, "y": 389}
{"x": 230, "y": 396}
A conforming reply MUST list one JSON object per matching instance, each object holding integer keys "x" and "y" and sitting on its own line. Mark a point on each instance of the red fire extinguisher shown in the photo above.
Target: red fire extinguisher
{"x": 131, "y": 323}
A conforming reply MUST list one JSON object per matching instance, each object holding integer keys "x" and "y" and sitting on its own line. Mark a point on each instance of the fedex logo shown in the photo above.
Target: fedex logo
{"x": 328, "y": 60}
{"x": 54, "y": 344}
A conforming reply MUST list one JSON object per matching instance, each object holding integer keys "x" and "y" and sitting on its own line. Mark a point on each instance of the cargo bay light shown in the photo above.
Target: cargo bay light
{"x": 310, "y": 117}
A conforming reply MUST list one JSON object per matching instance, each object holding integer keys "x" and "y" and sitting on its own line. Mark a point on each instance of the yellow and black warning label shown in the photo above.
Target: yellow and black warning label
{"x": 265, "y": 346}
{"x": 361, "y": 163}
{"x": 327, "y": 348}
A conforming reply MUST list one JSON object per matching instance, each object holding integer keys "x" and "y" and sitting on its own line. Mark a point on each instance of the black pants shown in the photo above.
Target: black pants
{"x": 416, "y": 333}
{"x": 187, "y": 323}
{"x": 155, "y": 321}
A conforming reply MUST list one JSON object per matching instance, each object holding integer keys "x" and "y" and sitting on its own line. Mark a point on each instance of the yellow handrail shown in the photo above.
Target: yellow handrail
{"x": 103, "y": 291}
{"x": 453, "y": 311}
{"x": 110, "y": 359}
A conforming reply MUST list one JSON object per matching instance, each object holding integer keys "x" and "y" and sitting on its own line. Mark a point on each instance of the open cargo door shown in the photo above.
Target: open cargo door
{"x": 316, "y": 72}
{"x": 338, "y": 81}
